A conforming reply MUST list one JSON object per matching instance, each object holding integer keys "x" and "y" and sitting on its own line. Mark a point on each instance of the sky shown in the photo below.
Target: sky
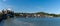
{"x": 32, "y": 6}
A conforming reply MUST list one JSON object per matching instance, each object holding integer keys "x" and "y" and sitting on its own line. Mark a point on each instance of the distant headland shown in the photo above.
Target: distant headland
{"x": 37, "y": 14}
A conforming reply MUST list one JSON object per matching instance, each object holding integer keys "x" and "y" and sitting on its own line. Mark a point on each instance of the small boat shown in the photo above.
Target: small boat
{"x": 6, "y": 14}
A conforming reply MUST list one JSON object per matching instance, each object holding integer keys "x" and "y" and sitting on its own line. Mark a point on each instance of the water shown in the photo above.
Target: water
{"x": 31, "y": 22}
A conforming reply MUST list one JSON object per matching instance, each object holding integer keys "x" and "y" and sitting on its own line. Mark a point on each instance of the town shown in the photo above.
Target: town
{"x": 38, "y": 14}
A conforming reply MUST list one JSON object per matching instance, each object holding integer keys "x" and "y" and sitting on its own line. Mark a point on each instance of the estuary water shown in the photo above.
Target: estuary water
{"x": 31, "y": 22}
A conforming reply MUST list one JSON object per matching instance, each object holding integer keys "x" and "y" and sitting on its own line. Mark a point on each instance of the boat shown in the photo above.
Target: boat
{"x": 7, "y": 13}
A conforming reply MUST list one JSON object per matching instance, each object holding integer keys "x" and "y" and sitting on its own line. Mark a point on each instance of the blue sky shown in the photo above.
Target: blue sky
{"x": 31, "y": 6}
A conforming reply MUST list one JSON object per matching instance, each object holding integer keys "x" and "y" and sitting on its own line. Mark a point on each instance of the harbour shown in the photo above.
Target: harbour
{"x": 29, "y": 13}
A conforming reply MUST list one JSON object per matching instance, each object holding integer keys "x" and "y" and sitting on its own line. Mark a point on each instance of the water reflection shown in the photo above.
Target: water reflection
{"x": 31, "y": 22}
